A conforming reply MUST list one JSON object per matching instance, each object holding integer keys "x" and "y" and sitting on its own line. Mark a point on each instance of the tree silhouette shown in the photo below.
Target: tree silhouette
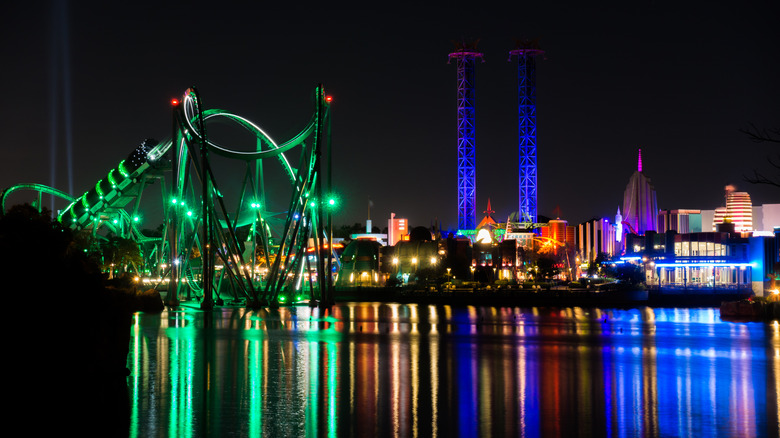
{"x": 764, "y": 136}
{"x": 120, "y": 252}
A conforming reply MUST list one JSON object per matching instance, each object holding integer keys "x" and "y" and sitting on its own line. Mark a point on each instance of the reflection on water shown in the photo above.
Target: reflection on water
{"x": 370, "y": 369}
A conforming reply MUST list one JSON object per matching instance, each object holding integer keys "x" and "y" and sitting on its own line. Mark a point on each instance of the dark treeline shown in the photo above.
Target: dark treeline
{"x": 68, "y": 329}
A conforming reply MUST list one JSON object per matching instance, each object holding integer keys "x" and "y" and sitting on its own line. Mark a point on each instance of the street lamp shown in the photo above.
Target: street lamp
{"x": 332, "y": 205}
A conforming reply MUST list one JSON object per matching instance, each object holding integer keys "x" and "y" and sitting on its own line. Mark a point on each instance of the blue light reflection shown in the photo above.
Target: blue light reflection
{"x": 371, "y": 369}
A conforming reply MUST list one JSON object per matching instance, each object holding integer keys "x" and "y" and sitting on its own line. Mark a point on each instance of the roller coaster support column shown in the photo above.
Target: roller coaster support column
{"x": 330, "y": 212}
{"x": 325, "y": 298}
{"x": 208, "y": 247}
{"x": 173, "y": 286}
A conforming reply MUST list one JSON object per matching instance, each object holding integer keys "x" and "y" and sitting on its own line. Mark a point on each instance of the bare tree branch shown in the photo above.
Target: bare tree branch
{"x": 759, "y": 178}
{"x": 762, "y": 135}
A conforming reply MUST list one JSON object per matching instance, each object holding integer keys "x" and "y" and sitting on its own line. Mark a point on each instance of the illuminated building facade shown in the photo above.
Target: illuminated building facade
{"x": 738, "y": 209}
{"x": 595, "y": 237}
{"x": 640, "y": 207}
{"x": 705, "y": 262}
{"x": 766, "y": 217}
{"x": 414, "y": 261}
{"x": 708, "y": 261}
{"x": 559, "y": 231}
{"x": 396, "y": 229}
{"x": 682, "y": 221}
{"x": 360, "y": 264}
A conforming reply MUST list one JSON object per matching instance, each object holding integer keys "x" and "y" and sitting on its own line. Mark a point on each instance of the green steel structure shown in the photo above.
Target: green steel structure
{"x": 201, "y": 251}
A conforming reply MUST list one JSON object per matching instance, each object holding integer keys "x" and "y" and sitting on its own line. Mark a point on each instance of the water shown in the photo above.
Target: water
{"x": 371, "y": 369}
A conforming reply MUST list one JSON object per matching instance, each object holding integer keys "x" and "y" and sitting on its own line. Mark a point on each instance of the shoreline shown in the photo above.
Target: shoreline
{"x": 540, "y": 298}
{"x": 510, "y": 297}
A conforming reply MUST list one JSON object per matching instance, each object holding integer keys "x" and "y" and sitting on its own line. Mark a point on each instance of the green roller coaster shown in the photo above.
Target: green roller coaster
{"x": 200, "y": 251}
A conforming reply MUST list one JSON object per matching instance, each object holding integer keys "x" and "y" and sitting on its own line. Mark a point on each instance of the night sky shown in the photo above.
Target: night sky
{"x": 671, "y": 78}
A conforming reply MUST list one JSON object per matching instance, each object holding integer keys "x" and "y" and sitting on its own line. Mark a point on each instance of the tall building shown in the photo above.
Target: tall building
{"x": 640, "y": 207}
{"x": 739, "y": 210}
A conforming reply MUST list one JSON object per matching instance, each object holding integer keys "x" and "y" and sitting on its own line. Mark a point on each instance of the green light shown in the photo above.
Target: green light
{"x": 333, "y": 201}
{"x": 136, "y": 219}
{"x": 189, "y": 213}
{"x": 173, "y": 201}
{"x": 282, "y": 298}
{"x": 98, "y": 189}
{"x": 111, "y": 178}
{"x": 122, "y": 169}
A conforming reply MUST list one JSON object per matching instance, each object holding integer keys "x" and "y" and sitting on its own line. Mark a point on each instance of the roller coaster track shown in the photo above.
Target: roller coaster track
{"x": 40, "y": 188}
{"x": 44, "y": 189}
{"x": 212, "y": 230}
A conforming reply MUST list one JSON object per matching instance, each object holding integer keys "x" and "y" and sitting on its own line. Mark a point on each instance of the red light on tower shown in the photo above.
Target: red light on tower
{"x": 328, "y": 99}
{"x": 174, "y": 102}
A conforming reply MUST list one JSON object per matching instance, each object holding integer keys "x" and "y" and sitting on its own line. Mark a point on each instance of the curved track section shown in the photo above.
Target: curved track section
{"x": 40, "y": 188}
{"x": 211, "y": 233}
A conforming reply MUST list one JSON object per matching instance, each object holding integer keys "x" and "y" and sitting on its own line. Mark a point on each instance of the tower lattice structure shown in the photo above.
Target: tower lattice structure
{"x": 526, "y": 52}
{"x": 465, "y": 56}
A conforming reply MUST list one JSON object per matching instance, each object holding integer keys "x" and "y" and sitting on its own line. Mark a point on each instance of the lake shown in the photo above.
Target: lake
{"x": 382, "y": 369}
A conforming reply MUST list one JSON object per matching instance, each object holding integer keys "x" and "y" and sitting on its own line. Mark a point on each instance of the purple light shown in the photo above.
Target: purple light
{"x": 639, "y": 164}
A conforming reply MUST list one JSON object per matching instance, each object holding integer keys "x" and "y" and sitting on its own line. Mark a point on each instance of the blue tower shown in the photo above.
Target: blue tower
{"x": 465, "y": 55}
{"x": 526, "y": 51}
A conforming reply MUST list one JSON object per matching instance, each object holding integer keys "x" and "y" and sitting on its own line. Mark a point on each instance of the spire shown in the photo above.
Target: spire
{"x": 639, "y": 163}
{"x": 488, "y": 220}
{"x": 489, "y": 210}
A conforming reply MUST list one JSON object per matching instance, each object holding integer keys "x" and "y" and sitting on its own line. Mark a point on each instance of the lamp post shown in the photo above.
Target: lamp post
{"x": 331, "y": 205}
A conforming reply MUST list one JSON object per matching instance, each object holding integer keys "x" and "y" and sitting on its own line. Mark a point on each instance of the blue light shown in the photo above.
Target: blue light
{"x": 467, "y": 211}
{"x": 682, "y": 264}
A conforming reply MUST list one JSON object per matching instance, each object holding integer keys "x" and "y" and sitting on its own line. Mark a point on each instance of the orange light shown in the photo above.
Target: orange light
{"x": 174, "y": 102}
